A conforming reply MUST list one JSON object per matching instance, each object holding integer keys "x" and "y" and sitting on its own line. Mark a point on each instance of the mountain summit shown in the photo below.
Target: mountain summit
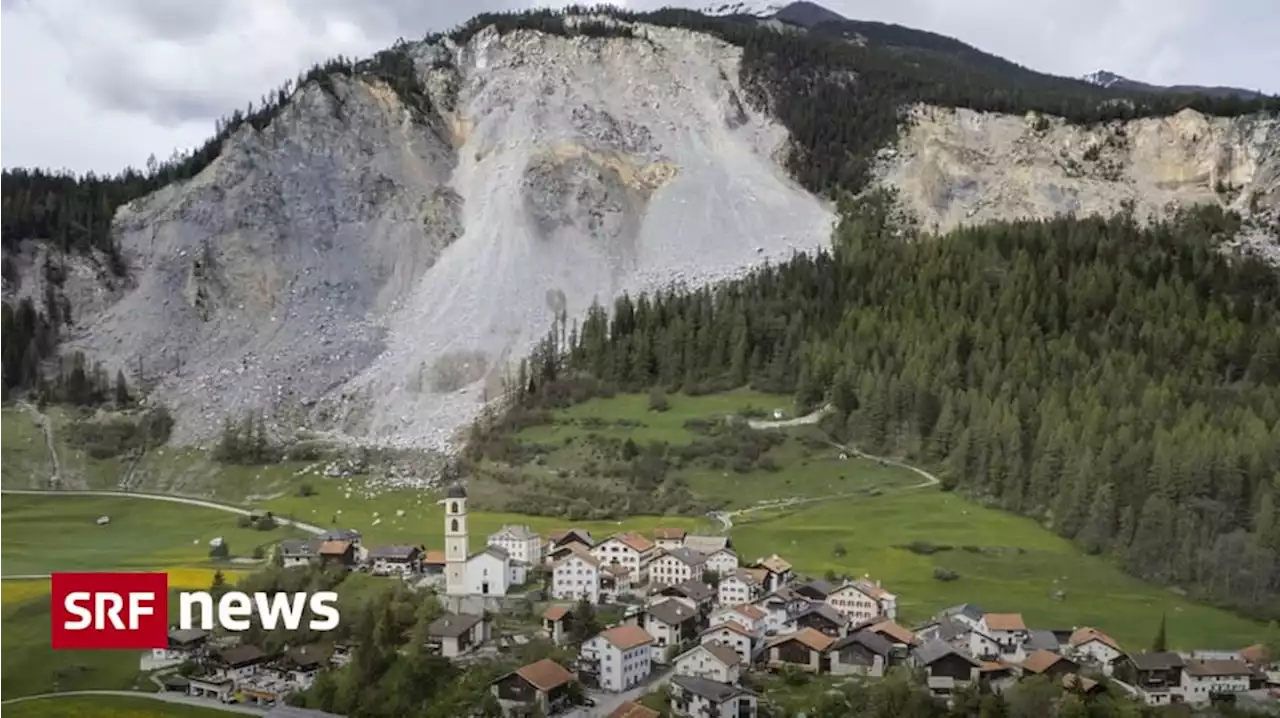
{"x": 1110, "y": 80}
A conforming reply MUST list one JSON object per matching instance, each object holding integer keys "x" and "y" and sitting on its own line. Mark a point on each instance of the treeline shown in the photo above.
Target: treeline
{"x": 1120, "y": 383}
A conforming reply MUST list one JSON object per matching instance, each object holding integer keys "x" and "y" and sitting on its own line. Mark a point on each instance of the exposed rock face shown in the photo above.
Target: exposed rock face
{"x": 358, "y": 268}
{"x": 962, "y": 167}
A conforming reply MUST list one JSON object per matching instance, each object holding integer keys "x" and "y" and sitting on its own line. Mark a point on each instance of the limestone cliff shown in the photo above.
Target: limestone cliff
{"x": 366, "y": 268}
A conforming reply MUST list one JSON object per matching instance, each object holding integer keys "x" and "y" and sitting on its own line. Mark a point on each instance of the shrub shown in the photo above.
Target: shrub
{"x": 658, "y": 399}
{"x": 259, "y": 553}
{"x": 944, "y": 574}
{"x": 839, "y": 551}
{"x": 923, "y": 548}
{"x": 306, "y": 489}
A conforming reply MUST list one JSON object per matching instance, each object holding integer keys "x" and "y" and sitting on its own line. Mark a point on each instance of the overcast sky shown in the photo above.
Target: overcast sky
{"x": 100, "y": 84}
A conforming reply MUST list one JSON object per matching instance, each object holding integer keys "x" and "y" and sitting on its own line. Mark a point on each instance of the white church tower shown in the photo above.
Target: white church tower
{"x": 456, "y": 546}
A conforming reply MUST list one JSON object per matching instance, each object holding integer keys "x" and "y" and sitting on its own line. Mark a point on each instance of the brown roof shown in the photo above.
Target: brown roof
{"x": 1005, "y": 622}
{"x": 629, "y": 709}
{"x": 1256, "y": 654}
{"x": 758, "y": 575}
{"x": 334, "y": 548}
{"x": 750, "y": 611}
{"x": 809, "y": 637}
{"x": 617, "y": 569}
{"x": 577, "y": 550}
{"x": 555, "y": 613}
{"x": 733, "y": 626}
{"x": 668, "y": 533}
{"x": 434, "y": 557}
{"x": 626, "y": 637}
{"x": 1086, "y": 684}
{"x": 1218, "y": 668}
{"x": 776, "y": 564}
{"x": 723, "y": 652}
{"x": 1081, "y": 636}
{"x": 1040, "y": 661}
{"x": 994, "y": 666}
{"x": 894, "y": 631}
{"x": 546, "y": 675}
{"x": 634, "y": 541}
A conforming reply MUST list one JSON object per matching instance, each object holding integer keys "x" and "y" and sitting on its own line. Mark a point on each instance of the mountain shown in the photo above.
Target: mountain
{"x": 807, "y": 14}
{"x": 1110, "y": 80}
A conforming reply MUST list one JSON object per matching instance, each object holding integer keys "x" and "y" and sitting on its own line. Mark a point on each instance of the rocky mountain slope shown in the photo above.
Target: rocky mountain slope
{"x": 352, "y": 268}
{"x": 955, "y": 167}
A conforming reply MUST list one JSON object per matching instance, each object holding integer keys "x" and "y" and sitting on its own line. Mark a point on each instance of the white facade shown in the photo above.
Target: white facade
{"x": 982, "y": 646}
{"x": 619, "y": 669}
{"x": 1095, "y": 651}
{"x": 664, "y": 637}
{"x": 749, "y": 617}
{"x": 669, "y": 569}
{"x": 576, "y": 577}
{"x": 731, "y": 635}
{"x": 520, "y": 542}
{"x": 701, "y": 662}
{"x": 734, "y": 590}
{"x": 723, "y": 562}
{"x": 1198, "y": 685}
{"x": 488, "y": 575}
{"x": 743, "y": 704}
{"x": 615, "y": 550}
{"x": 455, "y": 545}
{"x": 392, "y": 567}
{"x": 853, "y": 603}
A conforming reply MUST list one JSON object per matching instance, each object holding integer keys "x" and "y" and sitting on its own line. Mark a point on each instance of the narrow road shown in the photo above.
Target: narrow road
{"x": 309, "y": 528}
{"x": 179, "y": 698}
{"x": 46, "y": 427}
{"x": 607, "y": 703}
{"x": 810, "y": 418}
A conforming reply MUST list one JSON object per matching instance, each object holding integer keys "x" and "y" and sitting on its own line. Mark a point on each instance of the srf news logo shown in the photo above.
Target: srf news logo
{"x": 131, "y": 610}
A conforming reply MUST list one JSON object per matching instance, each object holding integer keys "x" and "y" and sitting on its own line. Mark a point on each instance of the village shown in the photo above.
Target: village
{"x": 697, "y": 621}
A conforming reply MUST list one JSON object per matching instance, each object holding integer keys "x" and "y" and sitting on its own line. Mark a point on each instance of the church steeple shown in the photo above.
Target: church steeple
{"x": 456, "y": 544}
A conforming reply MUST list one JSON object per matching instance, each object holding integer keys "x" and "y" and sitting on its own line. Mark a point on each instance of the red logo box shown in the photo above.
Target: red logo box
{"x": 110, "y": 611}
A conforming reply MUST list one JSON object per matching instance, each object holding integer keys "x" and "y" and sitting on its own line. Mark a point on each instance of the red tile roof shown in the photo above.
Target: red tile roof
{"x": 555, "y": 613}
{"x": 1005, "y": 622}
{"x": 1081, "y": 636}
{"x": 629, "y": 709}
{"x": 546, "y": 675}
{"x": 626, "y": 636}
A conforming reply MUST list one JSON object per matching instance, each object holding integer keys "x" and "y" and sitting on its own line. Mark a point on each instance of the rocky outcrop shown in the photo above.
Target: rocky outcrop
{"x": 955, "y": 167}
{"x": 372, "y": 270}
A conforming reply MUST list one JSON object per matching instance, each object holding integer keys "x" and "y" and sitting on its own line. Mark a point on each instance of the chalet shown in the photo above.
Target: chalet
{"x": 540, "y": 688}
{"x": 1093, "y": 646}
{"x": 1007, "y": 629}
{"x": 433, "y": 563}
{"x": 779, "y": 571}
{"x": 616, "y": 659}
{"x": 734, "y": 635}
{"x": 397, "y": 559}
{"x": 1205, "y": 680}
{"x": 455, "y": 635}
{"x": 520, "y": 542}
{"x": 722, "y": 562}
{"x": 738, "y": 587}
{"x": 706, "y": 544}
{"x": 342, "y": 553}
{"x": 628, "y": 549}
{"x": 823, "y": 618}
{"x": 630, "y": 709}
{"x": 805, "y": 649}
{"x": 701, "y": 697}
{"x": 816, "y": 589}
{"x": 576, "y": 576}
{"x": 557, "y": 622}
{"x": 671, "y": 623}
{"x": 1048, "y": 663}
{"x": 863, "y": 653}
{"x": 238, "y": 662}
{"x": 301, "y": 665}
{"x": 668, "y": 538}
{"x": 712, "y": 660}
{"x": 298, "y": 552}
{"x": 673, "y": 566}
{"x": 945, "y": 667}
{"x": 1157, "y": 676}
{"x": 351, "y": 536}
{"x": 182, "y": 644}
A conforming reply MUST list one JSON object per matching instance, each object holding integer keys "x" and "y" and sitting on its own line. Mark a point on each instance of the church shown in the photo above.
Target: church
{"x": 489, "y": 572}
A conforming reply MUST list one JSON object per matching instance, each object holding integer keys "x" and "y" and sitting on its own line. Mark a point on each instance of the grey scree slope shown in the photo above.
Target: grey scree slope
{"x": 354, "y": 272}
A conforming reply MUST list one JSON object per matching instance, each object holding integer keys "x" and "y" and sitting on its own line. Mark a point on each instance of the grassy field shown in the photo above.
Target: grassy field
{"x": 107, "y": 707}
{"x": 1018, "y": 567}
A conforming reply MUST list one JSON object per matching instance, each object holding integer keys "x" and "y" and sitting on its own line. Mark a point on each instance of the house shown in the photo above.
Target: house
{"x": 822, "y": 618}
{"x": 734, "y": 635}
{"x": 520, "y": 543}
{"x": 738, "y": 587}
{"x": 671, "y": 623}
{"x": 712, "y": 660}
{"x": 981, "y": 645}
{"x": 749, "y": 617}
{"x": 803, "y": 649}
{"x": 668, "y": 538}
{"x": 965, "y": 613}
{"x": 342, "y": 553}
{"x": 677, "y": 565}
{"x": 854, "y": 602}
{"x": 398, "y": 559}
{"x": 700, "y": 595}
{"x": 628, "y": 549}
{"x": 557, "y": 622}
{"x": 211, "y": 686}
{"x": 1007, "y": 630}
{"x": 616, "y": 659}
{"x": 706, "y": 544}
{"x": 616, "y": 580}
{"x": 893, "y": 633}
{"x": 885, "y": 600}
{"x": 780, "y": 607}
{"x": 945, "y": 667}
{"x": 1039, "y": 639}
{"x": 710, "y": 699}
{"x": 722, "y": 562}
{"x": 183, "y": 644}
{"x": 433, "y": 563}
{"x": 1048, "y": 663}
{"x": 816, "y": 589}
{"x": 947, "y": 630}
{"x": 541, "y": 687}
{"x": 1264, "y": 664}
{"x": 1093, "y": 646}
{"x": 298, "y": 552}
{"x": 492, "y": 572}
{"x": 342, "y": 653}
{"x": 1157, "y": 676}
{"x": 560, "y": 538}
{"x": 998, "y": 676}
{"x": 779, "y": 571}
{"x": 301, "y": 665}
{"x": 576, "y": 576}
{"x": 1079, "y": 684}
{"x": 629, "y": 709}
{"x": 237, "y": 662}
{"x": 454, "y": 635}
{"x": 862, "y": 653}
{"x": 1203, "y": 680}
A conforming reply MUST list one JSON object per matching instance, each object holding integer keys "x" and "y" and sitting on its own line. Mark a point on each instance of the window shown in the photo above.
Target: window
{"x": 453, "y": 525}
{"x": 453, "y": 507}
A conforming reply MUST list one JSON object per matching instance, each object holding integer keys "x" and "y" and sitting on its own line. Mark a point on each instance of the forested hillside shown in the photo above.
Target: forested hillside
{"x": 1121, "y": 383}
